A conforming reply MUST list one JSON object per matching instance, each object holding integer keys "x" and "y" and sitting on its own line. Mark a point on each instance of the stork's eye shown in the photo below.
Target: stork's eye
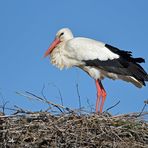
{"x": 61, "y": 34}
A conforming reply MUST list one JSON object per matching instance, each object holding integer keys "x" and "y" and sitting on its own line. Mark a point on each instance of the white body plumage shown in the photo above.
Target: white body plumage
{"x": 75, "y": 51}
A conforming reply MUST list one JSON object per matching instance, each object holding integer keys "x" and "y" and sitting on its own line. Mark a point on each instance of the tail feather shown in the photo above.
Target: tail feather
{"x": 139, "y": 60}
{"x": 140, "y": 75}
{"x": 137, "y": 71}
{"x": 146, "y": 77}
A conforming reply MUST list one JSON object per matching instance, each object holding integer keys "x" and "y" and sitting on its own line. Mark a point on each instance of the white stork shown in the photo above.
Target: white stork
{"x": 99, "y": 60}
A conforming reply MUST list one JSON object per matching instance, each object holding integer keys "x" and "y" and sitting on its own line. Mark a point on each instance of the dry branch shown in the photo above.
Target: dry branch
{"x": 33, "y": 96}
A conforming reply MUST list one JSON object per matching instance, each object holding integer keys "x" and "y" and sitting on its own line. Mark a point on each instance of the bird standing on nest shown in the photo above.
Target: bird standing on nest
{"x": 96, "y": 58}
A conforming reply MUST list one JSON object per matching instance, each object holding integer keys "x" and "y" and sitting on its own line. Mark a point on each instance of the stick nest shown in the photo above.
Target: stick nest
{"x": 68, "y": 130}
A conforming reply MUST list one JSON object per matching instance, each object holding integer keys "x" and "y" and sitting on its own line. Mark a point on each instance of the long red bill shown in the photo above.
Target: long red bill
{"x": 52, "y": 46}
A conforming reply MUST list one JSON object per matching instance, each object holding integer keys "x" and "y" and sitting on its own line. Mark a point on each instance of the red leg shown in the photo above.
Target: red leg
{"x": 99, "y": 95}
{"x": 103, "y": 97}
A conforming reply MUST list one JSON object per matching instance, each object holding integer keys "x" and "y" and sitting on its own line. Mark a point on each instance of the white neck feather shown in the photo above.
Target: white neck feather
{"x": 61, "y": 59}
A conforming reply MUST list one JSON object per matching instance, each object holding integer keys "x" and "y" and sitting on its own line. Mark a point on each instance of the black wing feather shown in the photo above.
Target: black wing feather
{"x": 124, "y": 65}
{"x": 125, "y": 54}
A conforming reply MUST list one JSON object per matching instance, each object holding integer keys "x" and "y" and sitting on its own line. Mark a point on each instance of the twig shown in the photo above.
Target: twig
{"x": 42, "y": 92}
{"x": 4, "y": 103}
{"x": 129, "y": 115}
{"x": 77, "y": 86}
{"x": 112, "y": 106}
{"x": 61, "y": 98}
{"x": 20, "y": 110}
{"x": 89, "y": 105}
{"x": 141, "y": 110}
{"x": 39, "y": 98}
{"x": 7, "y": 108}
{"x": 45, "y": 100}
{"x": 4, "y": 106}
{"x": 8, "y": 116}
{"x": 33, "y": 96}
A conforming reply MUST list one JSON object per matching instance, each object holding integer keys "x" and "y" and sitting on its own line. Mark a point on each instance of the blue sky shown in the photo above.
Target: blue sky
{"x": 28, "y": 27}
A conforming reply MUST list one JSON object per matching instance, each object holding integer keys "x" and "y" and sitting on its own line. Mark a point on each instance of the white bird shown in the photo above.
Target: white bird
{"x": 98, "y": 59}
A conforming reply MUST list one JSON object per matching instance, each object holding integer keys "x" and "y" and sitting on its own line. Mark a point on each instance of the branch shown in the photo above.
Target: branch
{"x": 61, "y": 98}
{"x": 145, "y": 103}
{"x": 4, "y": 103}
{"x": 20, "y": 110}
{"x": 112, "y": 107}
{"x": 42, "y": 93}
{"x": 33, "y": 96}
{"x": 89, "y": 105}
{"x": 77, "y": 86}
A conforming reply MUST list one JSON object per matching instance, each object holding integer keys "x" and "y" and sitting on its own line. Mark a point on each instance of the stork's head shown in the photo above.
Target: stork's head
{"x": 62, "y": 35}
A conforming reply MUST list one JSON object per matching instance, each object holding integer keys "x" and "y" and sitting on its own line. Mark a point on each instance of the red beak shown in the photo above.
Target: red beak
{"x": 52, "y": 46}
